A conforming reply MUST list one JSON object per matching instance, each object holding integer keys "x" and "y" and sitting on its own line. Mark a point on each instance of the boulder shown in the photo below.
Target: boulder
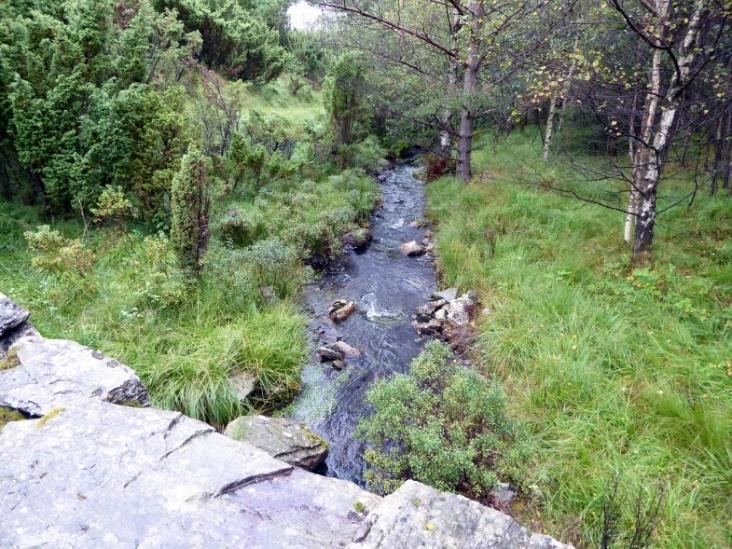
{"x": 448, "y": 295}
{"x": 328, "y": 354}
{"x": 428, "y": 328}
{"x": 420, "y": 516}
{"x": 457, "y": 313}
{"x": 357, "y": 240}
{"x": 244, "y": 384}
{"x": 346, "y": 349}
{"x": 281, "y": 438}
{"x": 102, "y": 475}
{"x": 412, "y": 249}
{"x": 338, "y": 364}
{"x": 341, "y": 309}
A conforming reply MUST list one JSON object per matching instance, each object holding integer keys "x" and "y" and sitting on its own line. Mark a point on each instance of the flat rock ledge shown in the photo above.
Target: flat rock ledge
{"x": 94, "y": 465}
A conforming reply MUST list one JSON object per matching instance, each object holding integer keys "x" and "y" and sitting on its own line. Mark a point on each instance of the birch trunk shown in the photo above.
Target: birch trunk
{"x": 549, "y": 126}
{"x": 647, "y": 185}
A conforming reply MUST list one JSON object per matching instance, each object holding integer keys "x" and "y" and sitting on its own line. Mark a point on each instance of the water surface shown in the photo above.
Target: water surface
{"x": 387, "y": 288}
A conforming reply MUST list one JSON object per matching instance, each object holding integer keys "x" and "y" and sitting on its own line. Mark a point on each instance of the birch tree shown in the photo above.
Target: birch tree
{"x": 661, "y": 105}
{"x": 478, "y": 34}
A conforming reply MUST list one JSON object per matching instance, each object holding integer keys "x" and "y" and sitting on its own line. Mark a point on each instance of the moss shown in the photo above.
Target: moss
{"x": 10, "y": 360}
{"x": 359, "y": 507}
{"x": 49, "y": 416}
{"x": 7, "y": 415}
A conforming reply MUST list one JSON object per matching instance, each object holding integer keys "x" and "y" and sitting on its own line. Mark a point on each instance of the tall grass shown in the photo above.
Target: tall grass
{"x": 618, "y": 372}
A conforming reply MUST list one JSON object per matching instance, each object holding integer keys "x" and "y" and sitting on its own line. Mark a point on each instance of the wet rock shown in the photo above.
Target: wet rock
{"x": 281, "y": 438}
{"x": 428, "y": 328}
{"x": 358, "y": 239}
{"x": 419, "y": 516}
{"x": 433, "y": 306}
{"x": 341, "y": 309}
{"x": 338, "y": 364}
{"x": 422, "y": 316}
{"x": 243, "y": 384}
{"x": 328, "y": 354}
{"x": 411, "y": 249}
{"x": 346, "y": 349}
{"x": 448, "y": 295}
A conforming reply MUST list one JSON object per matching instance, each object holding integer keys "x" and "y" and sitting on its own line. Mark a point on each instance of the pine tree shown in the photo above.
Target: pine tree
{"x": 189, "y": 205}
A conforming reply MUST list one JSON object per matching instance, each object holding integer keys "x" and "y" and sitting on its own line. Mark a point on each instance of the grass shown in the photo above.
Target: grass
{"x": 617, "y": 372}
{"x": 186, "y": 342}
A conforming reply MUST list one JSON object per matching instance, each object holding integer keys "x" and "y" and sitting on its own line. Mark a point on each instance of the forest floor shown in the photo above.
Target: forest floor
{"x": 622, "y": 376}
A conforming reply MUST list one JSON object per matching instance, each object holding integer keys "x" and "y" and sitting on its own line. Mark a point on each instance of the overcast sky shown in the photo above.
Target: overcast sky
{"x": 302, "y": 15}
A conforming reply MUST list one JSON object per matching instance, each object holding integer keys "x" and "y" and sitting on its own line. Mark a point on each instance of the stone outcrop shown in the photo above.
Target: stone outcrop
{"x": 419, "y": 516}
{"x": 13, "y": 322}
{"x": 446, "y": 314}
{"x": 282, "y": 438}
{"x": 92, "y": 465}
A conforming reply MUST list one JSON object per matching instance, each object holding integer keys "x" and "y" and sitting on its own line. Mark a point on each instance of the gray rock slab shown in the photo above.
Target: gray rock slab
{"x": 52, "y": 372}
{"x": 114, "y": 476}
{"x": 448, "y": 294}
{"x": 419, "y": 516}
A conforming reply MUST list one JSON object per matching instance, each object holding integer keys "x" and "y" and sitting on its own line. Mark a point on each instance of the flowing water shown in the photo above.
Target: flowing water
{"x": 387, "y": 288}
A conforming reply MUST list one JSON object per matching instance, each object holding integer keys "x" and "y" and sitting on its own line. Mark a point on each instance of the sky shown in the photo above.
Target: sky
{"x": 303, "y": 15}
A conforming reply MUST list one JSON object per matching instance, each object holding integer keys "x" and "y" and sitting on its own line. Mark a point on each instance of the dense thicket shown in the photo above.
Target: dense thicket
{"x": 93, "y": 92}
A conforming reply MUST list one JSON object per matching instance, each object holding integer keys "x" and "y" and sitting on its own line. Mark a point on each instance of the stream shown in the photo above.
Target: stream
{"x": 387, "y": 287}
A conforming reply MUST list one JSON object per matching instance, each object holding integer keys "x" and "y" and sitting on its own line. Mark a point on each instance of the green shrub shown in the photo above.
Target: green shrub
{"x": 442, "y": 424}
{"x": 57, "y": 254}
{"x": 274, "y": 265}
{"x": 113, "y": 207}
{"x": 162, "y": 283}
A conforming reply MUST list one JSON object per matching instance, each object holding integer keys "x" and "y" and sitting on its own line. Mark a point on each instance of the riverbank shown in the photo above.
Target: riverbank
{"x": 619, "y": 373}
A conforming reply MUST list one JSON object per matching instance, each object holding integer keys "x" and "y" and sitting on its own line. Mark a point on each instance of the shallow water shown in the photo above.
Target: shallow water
{"x": 387, "y": 288}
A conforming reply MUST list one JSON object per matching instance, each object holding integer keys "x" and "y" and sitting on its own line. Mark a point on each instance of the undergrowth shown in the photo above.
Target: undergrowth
{"x": 186, "y": 340}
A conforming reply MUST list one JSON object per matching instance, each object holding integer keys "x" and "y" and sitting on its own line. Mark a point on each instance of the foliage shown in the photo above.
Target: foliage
{"x": 442, "y": 424}
{"x": 345, "y": 103}
{"x": 85, "y": 108}
{"x": 189, "y": 208}
{"x": 57, "y": 254}
{"x": 238, "y": 37}
{"x": 615, "y": 371}
{"x": 113, "y": 207}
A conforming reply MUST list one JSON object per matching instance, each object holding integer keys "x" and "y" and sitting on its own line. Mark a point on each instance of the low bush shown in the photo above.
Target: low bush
{"x": 443, "y": 424}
